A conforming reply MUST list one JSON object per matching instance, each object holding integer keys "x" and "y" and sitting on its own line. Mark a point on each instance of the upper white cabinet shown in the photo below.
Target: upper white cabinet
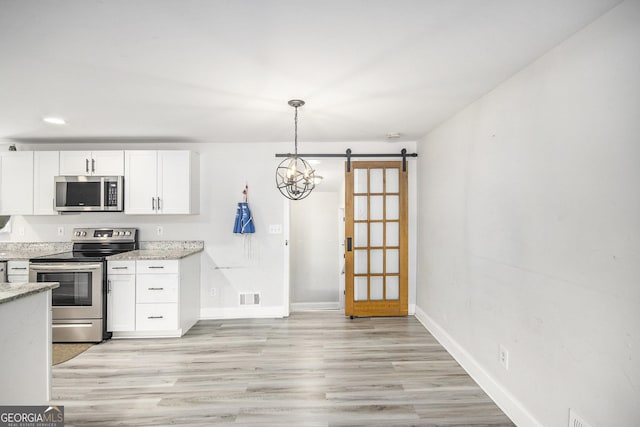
{"x": 162, "y": 182}
{"x": 92, "y": 163}
{"x": 45, "y": 168}
{"x": 16, "y": 183}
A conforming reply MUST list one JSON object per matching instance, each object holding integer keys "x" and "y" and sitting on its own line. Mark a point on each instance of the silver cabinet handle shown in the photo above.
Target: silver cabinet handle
{"x": 155, "y": 317}
{"x": 93, "y": 165}
{"x": 158, "y": 203}
{"x": 119, "y": 268}
{"x": 18, "y": 268}
{"x": 155, "y": 289}
{"x": 86, "y": 165}
{"x": 108, "y": 286}
{"x": 156, "y": 266}
{"x": 153, "y": 203}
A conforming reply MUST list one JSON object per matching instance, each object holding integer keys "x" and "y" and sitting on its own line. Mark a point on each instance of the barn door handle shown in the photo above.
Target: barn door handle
{"x": 349, "y": 244}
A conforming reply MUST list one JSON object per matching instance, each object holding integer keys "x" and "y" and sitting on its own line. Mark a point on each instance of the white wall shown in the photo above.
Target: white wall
{"x": 228, "y": 266}
{"x": 529, "y": 213}
{"x": 315, "y": 270}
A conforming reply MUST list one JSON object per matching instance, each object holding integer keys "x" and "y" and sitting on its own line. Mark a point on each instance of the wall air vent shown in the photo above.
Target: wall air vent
{"x": 576, "y": 421}
{"x": 250, "y": 298}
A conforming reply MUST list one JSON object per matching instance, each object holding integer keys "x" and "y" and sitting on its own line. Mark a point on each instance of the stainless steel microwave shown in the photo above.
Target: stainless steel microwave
{"x": 89, "y": 193}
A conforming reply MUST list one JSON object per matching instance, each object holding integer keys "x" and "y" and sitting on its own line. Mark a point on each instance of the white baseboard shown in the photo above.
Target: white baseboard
{"x": 501, "y": 396}
{"x": 250, "y": 312}
{"x": 305, "y": 306}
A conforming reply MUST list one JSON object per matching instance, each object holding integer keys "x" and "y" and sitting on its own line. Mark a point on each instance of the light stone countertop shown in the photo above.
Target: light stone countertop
{"x": 13, "y": 291}
{"x": 153, "y": 254}
{"x": 161, "y": 250}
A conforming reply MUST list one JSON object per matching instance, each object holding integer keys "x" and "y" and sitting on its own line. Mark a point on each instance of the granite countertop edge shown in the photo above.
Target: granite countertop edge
{"x": 154, "y": 254}
{"x": 14, "y": 291}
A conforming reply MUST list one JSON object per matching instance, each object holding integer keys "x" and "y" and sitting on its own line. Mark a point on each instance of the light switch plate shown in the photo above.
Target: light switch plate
{"x": 275, "y": 229}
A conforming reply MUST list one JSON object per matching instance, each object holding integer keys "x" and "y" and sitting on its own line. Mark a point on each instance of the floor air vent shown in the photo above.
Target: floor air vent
{"x": 250, "y": 298}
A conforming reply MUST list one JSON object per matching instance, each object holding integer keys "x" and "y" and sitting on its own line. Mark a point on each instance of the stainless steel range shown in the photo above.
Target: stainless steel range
{"x": 80, "y": 303}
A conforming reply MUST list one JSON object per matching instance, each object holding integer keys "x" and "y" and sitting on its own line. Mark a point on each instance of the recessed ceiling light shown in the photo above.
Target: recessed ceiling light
{"x": 393, "y": 135}
{"x": 55, "y": 120}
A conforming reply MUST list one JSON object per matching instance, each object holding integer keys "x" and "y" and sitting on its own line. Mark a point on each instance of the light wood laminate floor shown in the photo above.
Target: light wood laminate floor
{"x": 311, "y": 369}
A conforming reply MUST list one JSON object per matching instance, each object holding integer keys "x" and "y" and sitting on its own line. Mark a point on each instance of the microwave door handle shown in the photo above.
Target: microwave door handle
{"x": 67, "y": 266}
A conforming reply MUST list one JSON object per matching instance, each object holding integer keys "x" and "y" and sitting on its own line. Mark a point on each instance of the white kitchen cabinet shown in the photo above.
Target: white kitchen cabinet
{"x": 167, "y": 298}
{"x": 16, "y": 183}
{"x": 45, "y": 168}
{"x": 121, "y": 296}
{"x": 18, "y": 271}
{"x": 162, "y": 182}
{"x": 99, "y": 163}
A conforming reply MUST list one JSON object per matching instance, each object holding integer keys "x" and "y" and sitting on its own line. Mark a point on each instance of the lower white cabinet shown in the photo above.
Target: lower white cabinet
{"x": 121, "y": 296}
{"x": 165, "y": 301}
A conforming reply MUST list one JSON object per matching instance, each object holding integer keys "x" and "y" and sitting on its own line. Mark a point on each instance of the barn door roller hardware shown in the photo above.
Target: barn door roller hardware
{"x": 348, "y": 155}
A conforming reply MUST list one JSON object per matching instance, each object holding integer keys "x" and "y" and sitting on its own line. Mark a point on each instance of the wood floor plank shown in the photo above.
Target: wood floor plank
{"x": 312, "y": 369}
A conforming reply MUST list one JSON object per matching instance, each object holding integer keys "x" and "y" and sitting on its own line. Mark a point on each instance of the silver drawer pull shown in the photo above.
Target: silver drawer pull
{"x": 18, "y": 268}
{"x": 119, "y": 268}
{"x": 155, "y": 317}
{"x": 156, "y": 266}
{"x": 155, "y": 289}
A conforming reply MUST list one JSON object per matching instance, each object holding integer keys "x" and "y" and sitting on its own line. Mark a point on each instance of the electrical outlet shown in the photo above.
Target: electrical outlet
{"x": 60, "y": 231}
{"x": 504, "y": 357}
{"x": 159, "y": 230}
{"x": 213, "y": 292}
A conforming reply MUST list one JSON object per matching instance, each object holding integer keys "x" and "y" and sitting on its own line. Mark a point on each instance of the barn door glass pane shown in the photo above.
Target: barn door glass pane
{"x": 377, "y": 234}
{"x": 360, "y": 181}
{"x": 376, "y": 180}
{"x": 360, "y": 289}
{"x": 376, "y": 288}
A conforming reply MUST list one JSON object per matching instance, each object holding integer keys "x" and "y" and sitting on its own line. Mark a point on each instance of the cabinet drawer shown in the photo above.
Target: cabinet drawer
{"x": 18, "y": 267}
{"x": 156, "y": 317}
{"x": 157, "y": 267}
{"x": 157, "y": 288}
{"x": 121, "y": 267}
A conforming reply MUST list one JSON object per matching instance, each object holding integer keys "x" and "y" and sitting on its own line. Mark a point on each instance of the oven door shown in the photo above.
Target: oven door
{"x": 80, "y": 293}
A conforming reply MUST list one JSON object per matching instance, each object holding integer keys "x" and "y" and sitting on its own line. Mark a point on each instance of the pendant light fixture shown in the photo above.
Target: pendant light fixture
{"x": 295, "y": 177}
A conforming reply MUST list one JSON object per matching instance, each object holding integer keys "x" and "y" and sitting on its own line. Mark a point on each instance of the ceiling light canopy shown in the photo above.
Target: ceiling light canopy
{"x": 55, "y": 120}
{"x": 295, "y": 178}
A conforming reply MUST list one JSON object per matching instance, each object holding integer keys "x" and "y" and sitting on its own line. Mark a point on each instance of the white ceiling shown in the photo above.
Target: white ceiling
{"x": 223, "y": 70}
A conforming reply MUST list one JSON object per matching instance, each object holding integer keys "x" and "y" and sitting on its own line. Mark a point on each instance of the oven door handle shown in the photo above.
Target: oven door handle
{"x": 68, "y": 267}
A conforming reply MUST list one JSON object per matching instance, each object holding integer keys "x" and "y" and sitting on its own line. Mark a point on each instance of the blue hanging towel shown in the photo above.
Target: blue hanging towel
{"x": 244, "y": 221}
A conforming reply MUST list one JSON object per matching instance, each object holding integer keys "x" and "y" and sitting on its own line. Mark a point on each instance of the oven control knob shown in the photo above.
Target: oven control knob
{"x": 116, "y": 233}
{"x": 127, "y": 233}
{"x": 77, "y": 233}
{"x": 84, "y": 233}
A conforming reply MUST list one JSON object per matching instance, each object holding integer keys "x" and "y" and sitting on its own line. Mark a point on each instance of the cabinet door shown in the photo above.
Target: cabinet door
{"x": 140, "y": 177}
{"x": 16, "y": 183}
{"x": 45, "y": 168}
{"x": 174, "y": 182}
{"x": 75, "y": 163}
{"x": 121, "y": 303}
{"x": 107, "y": 163}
